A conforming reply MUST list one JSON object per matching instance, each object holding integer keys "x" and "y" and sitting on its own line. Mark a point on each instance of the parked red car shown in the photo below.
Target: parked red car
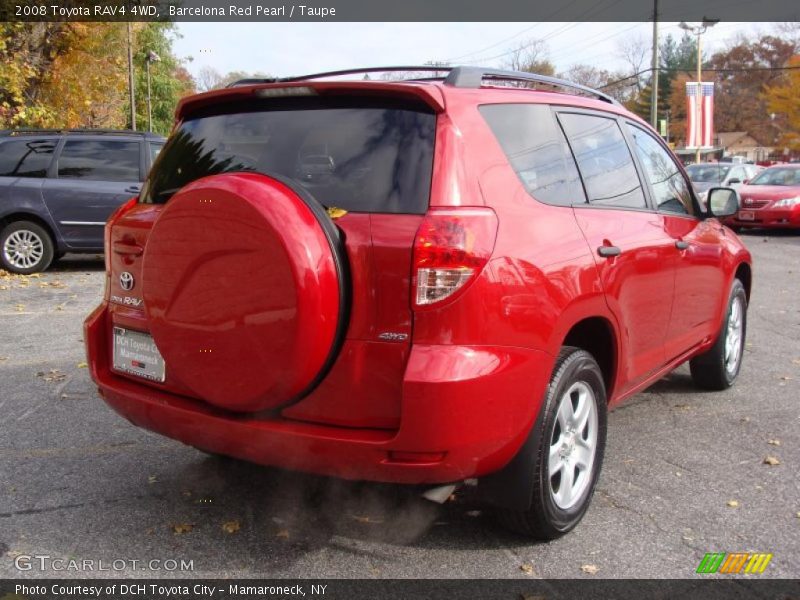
{"x": 771, "y": 199}
{"x": 474, "y": 275}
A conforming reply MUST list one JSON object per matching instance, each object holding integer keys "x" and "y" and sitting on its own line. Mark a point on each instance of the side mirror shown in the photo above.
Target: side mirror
{"x": 722, "y": 202}
{"x": 746, "y": 181}
{"x": 732, "y": 181}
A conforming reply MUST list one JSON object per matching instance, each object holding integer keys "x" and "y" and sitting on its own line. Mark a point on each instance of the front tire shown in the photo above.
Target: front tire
{"x": 717, "y": 368}
{"x": 25, "y": 248}
{"x": 570, "y": 451}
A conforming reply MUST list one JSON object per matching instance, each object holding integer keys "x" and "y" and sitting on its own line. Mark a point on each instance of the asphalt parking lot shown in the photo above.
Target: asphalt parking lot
{"x": 684, "y": 474}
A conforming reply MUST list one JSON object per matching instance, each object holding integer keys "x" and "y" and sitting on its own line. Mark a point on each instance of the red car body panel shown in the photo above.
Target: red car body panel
{"x": 455, "y": 393}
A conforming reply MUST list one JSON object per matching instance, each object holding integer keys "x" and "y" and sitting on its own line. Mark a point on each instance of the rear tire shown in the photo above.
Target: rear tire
{"x": 25, "y": 248}
{"x": 570, "y": 451}
{"x": 717, "y": 368}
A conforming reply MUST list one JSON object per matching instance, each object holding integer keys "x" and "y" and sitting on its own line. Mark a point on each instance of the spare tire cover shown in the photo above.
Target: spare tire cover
{"x": 243, "y": 287}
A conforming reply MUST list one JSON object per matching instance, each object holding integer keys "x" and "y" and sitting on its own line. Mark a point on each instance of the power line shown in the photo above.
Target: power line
{"x": 516, "y": 35}
{"x": 676, "y": 70}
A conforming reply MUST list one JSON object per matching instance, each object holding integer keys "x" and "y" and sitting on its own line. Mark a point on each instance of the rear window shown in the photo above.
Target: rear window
{"x": 362, "y": 157}
{"x": 26, "y": 158}
{"x": 537, "y": 150}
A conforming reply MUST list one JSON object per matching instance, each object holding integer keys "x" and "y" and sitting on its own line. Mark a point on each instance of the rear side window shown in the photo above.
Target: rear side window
{"x": 102, "y": 160}
{"x": 155, "y": 148}
{"x": 604, "y": 161}
{"x": 536, "y": 149}
{"x": 26, "y": 158}
{"x": 670, "y": 190}
{"x": 359, "y": 157}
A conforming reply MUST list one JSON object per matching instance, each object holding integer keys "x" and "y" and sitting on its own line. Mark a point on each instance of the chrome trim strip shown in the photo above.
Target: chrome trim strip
{"x": 82, "y": 222}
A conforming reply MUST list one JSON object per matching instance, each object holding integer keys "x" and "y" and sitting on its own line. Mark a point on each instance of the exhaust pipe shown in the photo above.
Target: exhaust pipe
{"x": 440, "y": 494}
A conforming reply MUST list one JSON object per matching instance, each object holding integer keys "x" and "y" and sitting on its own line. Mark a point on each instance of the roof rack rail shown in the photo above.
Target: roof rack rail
{"x": 472, "y": 77}
{"x": 363, "y": 71}
{"x": 461, "y": 77}
{"x": 36, "y": 130}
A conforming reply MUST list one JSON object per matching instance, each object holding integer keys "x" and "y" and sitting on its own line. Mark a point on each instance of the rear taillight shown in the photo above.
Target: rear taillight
{"x": 451, "y": 248}
{"x": 110, "y": 224}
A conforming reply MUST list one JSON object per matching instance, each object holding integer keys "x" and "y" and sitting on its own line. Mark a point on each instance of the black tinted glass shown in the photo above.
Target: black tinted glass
{"x": 536, "y": 149}
{"x": 155, "y": 149}
{"x": 604, "y": 161}
{"x": 670, "y": 189}
{"x": 360, "y": 158}
{"x": 25, "y": 158}
{"x": 102, "y": 160}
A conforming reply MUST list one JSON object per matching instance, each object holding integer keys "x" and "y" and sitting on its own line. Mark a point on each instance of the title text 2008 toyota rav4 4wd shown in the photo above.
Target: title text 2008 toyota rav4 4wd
{"x": 507, "y": 263}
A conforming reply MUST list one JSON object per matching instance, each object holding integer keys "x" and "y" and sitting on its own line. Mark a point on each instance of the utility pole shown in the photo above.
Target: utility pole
{"x": 130, "y": 77}
{"x": 654, "y": 90}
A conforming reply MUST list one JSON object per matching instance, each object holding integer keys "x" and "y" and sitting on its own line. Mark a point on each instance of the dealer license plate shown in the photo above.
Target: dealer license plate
{"x": 746, "y": 215}
{"x": 136, "y": 353}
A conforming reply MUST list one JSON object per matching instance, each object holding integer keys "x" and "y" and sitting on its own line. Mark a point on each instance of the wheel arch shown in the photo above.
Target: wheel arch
{"x": 744, "y": 273}
{"x": 596, "y": 335}
{"x": 15, "y": 217}
{"x": 512, "y": 486}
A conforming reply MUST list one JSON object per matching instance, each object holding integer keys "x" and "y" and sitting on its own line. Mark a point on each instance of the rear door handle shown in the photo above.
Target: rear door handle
{"x": 128, "y": 249}
{"x": 608, "y": 251}
{"x": 681, "y": 245}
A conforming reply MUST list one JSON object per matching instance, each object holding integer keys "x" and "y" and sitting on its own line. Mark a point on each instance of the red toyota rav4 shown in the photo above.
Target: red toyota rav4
{"x": 420, "y": 281}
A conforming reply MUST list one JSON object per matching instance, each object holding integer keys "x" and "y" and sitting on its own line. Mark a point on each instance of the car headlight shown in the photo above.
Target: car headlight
{"x": 787, "y": 202}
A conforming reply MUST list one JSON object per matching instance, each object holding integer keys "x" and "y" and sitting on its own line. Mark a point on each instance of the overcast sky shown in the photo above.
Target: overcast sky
{"x": 295, "y": 48}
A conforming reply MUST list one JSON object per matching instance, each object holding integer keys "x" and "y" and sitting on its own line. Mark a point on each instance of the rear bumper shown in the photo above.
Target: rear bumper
{"x": 781, "y": 218}
{"x": 465, "y": 413}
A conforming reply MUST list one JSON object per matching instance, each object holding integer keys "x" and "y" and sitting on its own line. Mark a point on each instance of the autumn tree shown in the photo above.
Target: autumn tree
{"x": 613, "y": 83}
{"x": 86, "y": 84}
{"x": 782, "y": 99}
{"x": 531, "y": 57}
{"x": 75, "y": 74}
{"x": 27, "y": 52}
{"x": 744, "y": 71}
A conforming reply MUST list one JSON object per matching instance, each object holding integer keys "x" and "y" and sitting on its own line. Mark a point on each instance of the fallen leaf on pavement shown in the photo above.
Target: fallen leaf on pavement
{"x": 52, "y": 375}
{"x": 526, "y": 568}
{"x": 283, "y": 533}
{"x": 181, "y": 528}
{"x": 152, "y": 479}
{"x": 590, "y": 569}
{"x": 774, "y": 442}
{"x": 231, "y": 526}
{"x": 82, "y": 365}
{"x": 772, "y": 461}
{"x": 733, "y": 503}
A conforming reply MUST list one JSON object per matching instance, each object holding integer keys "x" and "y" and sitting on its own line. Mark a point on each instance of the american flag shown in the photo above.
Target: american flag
{"x": 699, "y": 134}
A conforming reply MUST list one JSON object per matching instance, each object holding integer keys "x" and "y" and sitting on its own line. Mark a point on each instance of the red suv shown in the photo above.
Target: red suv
{"x": 421, "y": 281}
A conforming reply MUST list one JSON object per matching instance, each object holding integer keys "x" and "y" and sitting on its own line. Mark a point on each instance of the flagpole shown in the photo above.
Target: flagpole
{"x": 699, "y": 30}
{"x": 699, "y": 99}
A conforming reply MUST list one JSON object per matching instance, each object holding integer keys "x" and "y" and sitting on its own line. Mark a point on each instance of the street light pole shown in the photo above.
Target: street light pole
{"x": 699, "y": 30}
{"x": 151, "y": 57}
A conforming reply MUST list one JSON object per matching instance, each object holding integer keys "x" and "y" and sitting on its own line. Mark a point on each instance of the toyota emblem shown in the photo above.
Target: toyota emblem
{"x": 126, "y": 281}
